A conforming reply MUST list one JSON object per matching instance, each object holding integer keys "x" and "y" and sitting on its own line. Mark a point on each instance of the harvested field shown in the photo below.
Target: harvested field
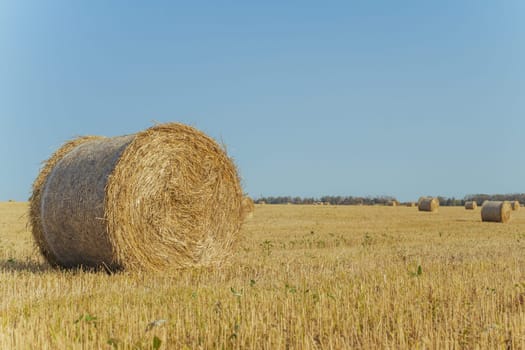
{"x": 304, "y": 277}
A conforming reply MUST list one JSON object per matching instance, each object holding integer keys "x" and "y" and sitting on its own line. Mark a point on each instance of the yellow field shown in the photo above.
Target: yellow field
{"x": 305, "y": 277}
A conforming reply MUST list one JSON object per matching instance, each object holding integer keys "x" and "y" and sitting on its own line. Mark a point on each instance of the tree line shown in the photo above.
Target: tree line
{"x": 382, "y": 200}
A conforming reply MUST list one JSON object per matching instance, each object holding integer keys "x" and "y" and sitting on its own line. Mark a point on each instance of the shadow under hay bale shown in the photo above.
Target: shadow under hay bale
{"x": 471, "y": 205}
{"x": 430, "y": 204}
{"x": 496, "y": 211}
{"x": 166, "y": 197}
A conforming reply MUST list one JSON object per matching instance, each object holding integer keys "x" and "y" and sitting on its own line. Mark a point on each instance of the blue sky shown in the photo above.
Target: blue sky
{"x": 402, "y": 98}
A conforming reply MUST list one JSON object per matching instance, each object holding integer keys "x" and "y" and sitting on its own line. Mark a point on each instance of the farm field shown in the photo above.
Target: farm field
{"x": 303, "y": 277}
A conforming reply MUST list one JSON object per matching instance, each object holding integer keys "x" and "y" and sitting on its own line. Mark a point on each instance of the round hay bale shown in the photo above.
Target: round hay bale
{"x": 248, "y": 207}
{"x": 166, "y": 197}
{"x": 496, "y": 211}
{"x": 428, "y": 204}
{"x": 391, "y": 204}
{"x": 471, "y": 205}
{"x": 515, "y": 205}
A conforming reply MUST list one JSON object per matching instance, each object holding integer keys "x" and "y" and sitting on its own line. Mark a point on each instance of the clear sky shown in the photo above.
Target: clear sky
{"x": 402, "y": 98}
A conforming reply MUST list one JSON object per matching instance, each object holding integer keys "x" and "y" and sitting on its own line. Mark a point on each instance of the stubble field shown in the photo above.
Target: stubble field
{"x": 303, "y": 277}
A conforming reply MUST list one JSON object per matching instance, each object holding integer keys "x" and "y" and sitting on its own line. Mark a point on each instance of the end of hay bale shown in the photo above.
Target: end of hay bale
{"x": 496, "y": 211}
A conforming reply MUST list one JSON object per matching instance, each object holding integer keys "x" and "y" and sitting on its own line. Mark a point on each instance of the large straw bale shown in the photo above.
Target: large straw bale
{"x": 167, "y": 197}
{"x": 428, "y": 204}
{"x": 515, "y": 205}
{"x": 471, "y": 205}
{"x": 496, "y": 211}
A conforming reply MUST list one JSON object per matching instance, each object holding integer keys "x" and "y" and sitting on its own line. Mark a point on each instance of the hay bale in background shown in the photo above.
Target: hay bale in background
{"x": 515, "y": 205}
{"x": 471, "y": 205}
{"x": 496, "y": 211}
{"x": 428, "y": 204}
{"x": 165, "y": 197}
{"x": 391, "y": 204}
{"x": 411, "y": 204}
{"x": 247, "y": 207}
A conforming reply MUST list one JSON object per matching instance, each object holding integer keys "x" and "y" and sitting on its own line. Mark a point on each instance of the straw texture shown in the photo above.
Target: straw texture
{"x": 496, "y": 211}
{"x": 471, "y": 205}
{"x": 167, "y": 197}
{"x": 428, "y": 204}
{"x": 35, "y": 219}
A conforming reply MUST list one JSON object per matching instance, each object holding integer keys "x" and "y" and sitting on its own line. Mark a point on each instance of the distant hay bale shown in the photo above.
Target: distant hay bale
{"x": 496, "y": 211}
{"x": 261, "y": 202}
{"x": 166, "y": 197}
{"x": 247, "y": 207}
{"x": 470, "y": 205}
{"x": 428, "y": 204}
{"x": 515, "y": 205}
{"x": 411, "y": 204}
{"x": 391, "y": 204}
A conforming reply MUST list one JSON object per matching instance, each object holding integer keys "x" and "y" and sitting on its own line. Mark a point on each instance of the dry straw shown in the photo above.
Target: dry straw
{"x": 515, "y": 205}
{"x": 167, "y": 197}
{"x": 428, "y": 204}
{"x": 471, "y": 205}
{"x": 496, "y": 211}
